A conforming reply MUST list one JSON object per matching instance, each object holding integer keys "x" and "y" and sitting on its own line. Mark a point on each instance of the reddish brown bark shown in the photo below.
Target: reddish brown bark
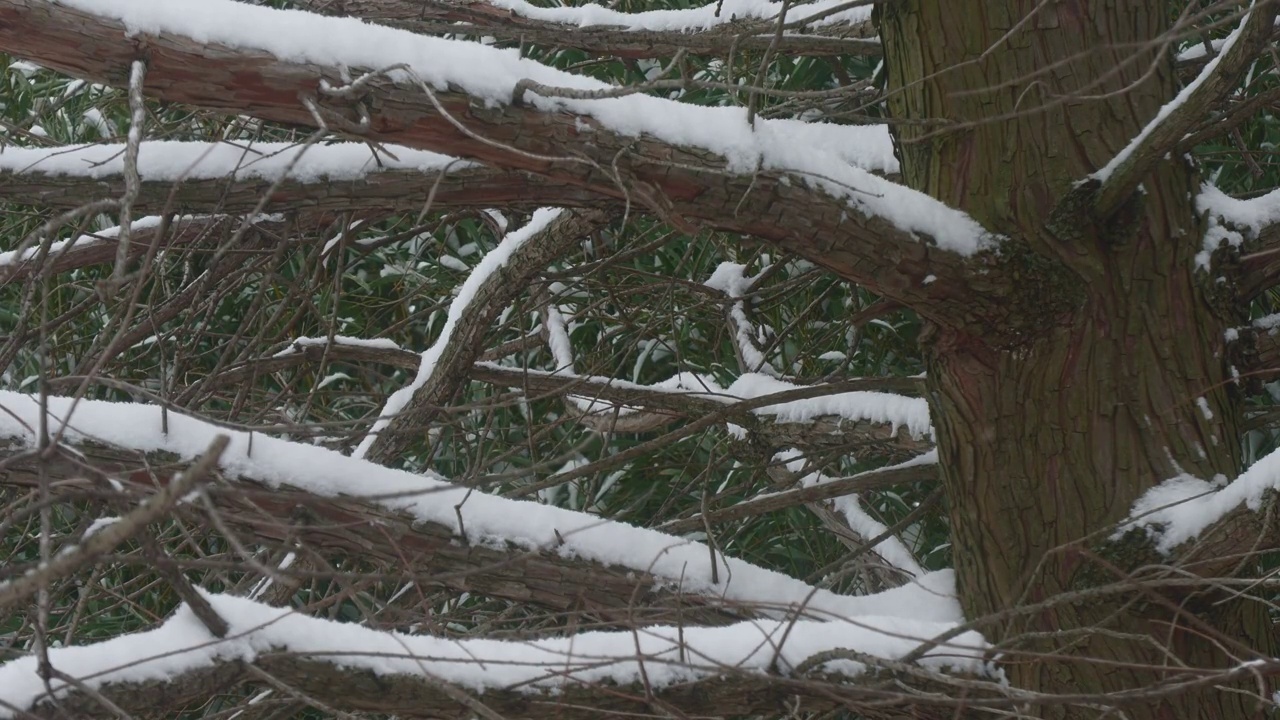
{"x": 1050, "y": 427}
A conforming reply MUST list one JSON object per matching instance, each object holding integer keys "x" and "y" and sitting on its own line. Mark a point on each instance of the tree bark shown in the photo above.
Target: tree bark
{"x": 1112, "y": 378}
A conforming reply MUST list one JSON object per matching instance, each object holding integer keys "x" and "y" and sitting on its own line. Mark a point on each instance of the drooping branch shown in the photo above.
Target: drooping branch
{"x": 1121, "y": 177}
{"x": 691, "y": 165}
{"x": 718, "y": 29}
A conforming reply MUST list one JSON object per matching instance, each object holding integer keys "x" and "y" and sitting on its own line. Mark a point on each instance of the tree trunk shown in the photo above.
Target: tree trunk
{"x": 1108, "y": 376}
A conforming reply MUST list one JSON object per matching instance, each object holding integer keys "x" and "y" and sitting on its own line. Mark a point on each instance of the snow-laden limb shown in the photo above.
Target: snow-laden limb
{"x": 486, "y": 521}
{"x": 1120, "y": 177}
{"x": 500, "y": 277}
{"x": 225, "y": 178}
{"x": 583, "y": 675}
{"x": 716, "y": 28}
{"x": 690, "y": 164}
{"x": 1211, "y": 523}
{"x": 174, "y": 161}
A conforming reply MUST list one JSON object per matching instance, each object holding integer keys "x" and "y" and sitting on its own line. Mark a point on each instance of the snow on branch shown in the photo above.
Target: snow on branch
{"x": 231, "y": 178}
{"x": 469, "y": 520}
{"x": 175, "y": 161}
{"x": 1121, "y": 176}
{"x": 583, "y": 675}
{"x": 902, "y": 432}
{"x": 1252, "y": 226}
{"x": 716, "y": 28}
{"x": 692, "y": 165}
{"x": 1209, "y": 524}
{"x": 500, "y": 277}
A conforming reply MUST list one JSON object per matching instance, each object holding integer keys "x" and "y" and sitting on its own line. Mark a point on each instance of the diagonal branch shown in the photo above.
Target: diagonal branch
{"x": 793, "y": 183}
{"x": 501, "y": 277}
{"x": 117, "y": 532}
{"x": 461, "y": 539}
{"x": 1121, "y": 177}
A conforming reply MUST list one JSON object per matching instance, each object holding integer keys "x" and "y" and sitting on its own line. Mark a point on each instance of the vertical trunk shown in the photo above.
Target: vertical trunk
{"x": 1052, "y": 424}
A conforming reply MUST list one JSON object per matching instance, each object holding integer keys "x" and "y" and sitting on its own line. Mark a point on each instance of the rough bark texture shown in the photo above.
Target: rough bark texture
{"x": 1049, "y": 429}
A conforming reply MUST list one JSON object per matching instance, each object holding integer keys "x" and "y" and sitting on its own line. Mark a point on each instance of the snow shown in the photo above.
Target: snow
{"x": 1252, "y": 215}
{"x": 659, "y": 656}
{"x": 860, "y": 405}
{"x": 171, "y": 161}
{"x": 1232, "y": 221}
{"x": 1204, "y": 408}
{"x": 855, "y": 406}
{"x": 1207, "y": 72}
{"x": 836, "y": 159}
{"x": 685, "y": 20}
{"x": 488, "y": 519}
{"x": 891, "y": 549}
{"x": 13, "y": 257}
{"x": 371, "y": 343}
{"x": 1180, "y": 508}
{"x": 492, "y": 262}
{"x": 730, "y": 279}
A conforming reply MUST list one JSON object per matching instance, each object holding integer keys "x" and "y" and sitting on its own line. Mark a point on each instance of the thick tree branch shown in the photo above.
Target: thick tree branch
{"x": 1121, "y": 177}
{"x": 687, "y": 185}
{"x": 100, "y": 248}
{"x": 595, "y": 29}
{"x": 336, "y": 528}
{"x": 760, "y": 668}
{"x": 368, "y": 180}
{"x": 456, "y": 538}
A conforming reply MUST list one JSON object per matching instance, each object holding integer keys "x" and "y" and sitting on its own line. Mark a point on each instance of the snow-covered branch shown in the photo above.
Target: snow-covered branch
{"x": 1121, "y": 177}
{"x": 500, "y": 277}
{"x": 464, "y": 539}
{"x": 714, "y": 29}
{"x": 1209, "y": 529}
{"x": 1249, "y": 227}
{"x": 691, "y": 165}
{"x": 232, "y": 178}
{"x": 881, "y": 416}
{"x": 100, "y": 247}
{"x": 750, "y": 668}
